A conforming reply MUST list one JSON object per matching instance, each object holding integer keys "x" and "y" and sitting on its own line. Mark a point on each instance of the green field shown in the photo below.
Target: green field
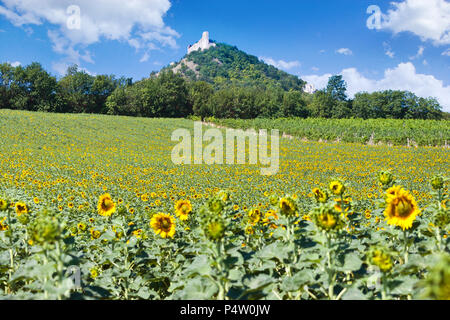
{"x": 237, "y": 243}
{"x": 371, "y": 131}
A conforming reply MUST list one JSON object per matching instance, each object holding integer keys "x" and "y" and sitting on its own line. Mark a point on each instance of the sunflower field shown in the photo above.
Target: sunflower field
{"x": 92, "y": 207}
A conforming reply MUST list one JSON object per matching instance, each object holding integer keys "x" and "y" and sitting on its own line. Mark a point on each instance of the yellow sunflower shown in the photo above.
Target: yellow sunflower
{"x": 254, "y": 216}
{"x": 337, "y": 187}
{"x": 381, "y": 258}
{"x": 215, "y": 230}
{"x": 338, "y": 206}
{"x": 288, "y": 207}
{"x": 106, "y": 207}
{"x": 401, "y": 208}
{"x": 137, "y": 233}
{"x": 327, "y": 218}
{"x": 3, "y": 225}
{"x": 95, "y": 234}
{"x": 267, "y": 218}
{"x": 163, "y": 224}
{"x": 320, "y": 195}
{"x": 182, "y": 209}
{"x": 21, "y": 208}
{"x": 81, "y": 226}
{"x": 327, "y": 221}
{"x": 3, "y": 205}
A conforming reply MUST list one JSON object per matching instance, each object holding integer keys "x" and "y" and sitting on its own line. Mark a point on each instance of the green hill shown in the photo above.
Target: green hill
{"x": 226, "y": 65}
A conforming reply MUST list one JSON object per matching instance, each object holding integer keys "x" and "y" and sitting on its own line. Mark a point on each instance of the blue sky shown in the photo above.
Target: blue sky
{"x": 409, "y": 48}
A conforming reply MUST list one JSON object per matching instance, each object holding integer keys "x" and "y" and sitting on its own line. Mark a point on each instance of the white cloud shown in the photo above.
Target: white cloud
{"x": 388, "y": 50}
{"x": 419, "y": 53}
{"x": 15, "y": 63}
{"x": 344, "y": 51}
{"x": 428, "y": 19}
{"x": 139, "y": 23}
{"x": 61, "y": 68}
{"x": 318, "y": 81}
{"x": 145, "y": 57}
{"x": 446, "y": 52}
{"x": 281, "y": 64}
{"x": 403, "y": 77}
{"x": 315, "y": 69}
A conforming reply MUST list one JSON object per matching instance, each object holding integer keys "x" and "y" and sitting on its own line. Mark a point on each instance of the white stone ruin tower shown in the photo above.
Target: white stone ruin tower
{"x": 203, "y": 44}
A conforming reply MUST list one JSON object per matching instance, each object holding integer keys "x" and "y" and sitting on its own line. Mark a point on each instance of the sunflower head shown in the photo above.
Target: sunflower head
{"x": 3, "y": 225}
{"x": 95, "y": 234}
{"x": 254, "y": 216}
{"x": 273, "y": 200}
{"x": 163, "y": 225}
{"x": 326, "y": 218}
{"x": 337, "y": 187}
{"x": 437, "y": 283}
{"x": 45, "y": 227}
{"x": 3, "y": 205}
{"x": 342, "y": 206}
{"x": 215, "y": 230}
{"x": 106, "y": 207}
{"x": 223, "y": 195}
{"x": 385, "y": 178}
{"x": 94, "y": 273}
{"x": 249, "y": 230}
{"x": 182, "y": 209}
{"x": 441, "y": 218}
{"x": 288, "y": 207}
{"x": 381, "y": 258}
{"x": 269, "y": 217}
{"x": 215, "y": 205}
{"x": 81, "y": 226}
{"x": 137, "y": 233}
{"x": 401, "y": 208}
{"x": 321, "y": 196}
{"x": 21, "y": 208}
{"x": 437, "y": 182}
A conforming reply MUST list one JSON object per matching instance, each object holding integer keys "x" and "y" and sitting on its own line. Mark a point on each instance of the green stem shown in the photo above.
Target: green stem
{"x": 384, "y": 287}
{"x": 223, "y": 285}
{"x": 438, "y": 237}
{"x": 405, "y": 236}
{"x": 10, "y": 228}
{"x": 59, "y": 265}
{"x": 45, "y": 278}
{"x": 331, "y": 275}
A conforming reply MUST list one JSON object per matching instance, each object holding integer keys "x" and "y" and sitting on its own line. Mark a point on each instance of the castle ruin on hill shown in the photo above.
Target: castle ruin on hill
{"x": 203, "y": 44}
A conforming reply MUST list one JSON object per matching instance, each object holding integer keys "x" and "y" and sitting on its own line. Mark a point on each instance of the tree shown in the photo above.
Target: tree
{"x": 102, "y": 87}
{"x": 172, "y": 96}
{"x": 6, "y": 80}
{"x": 75, "y": 91}
{"x": 395, "y": 105}
{"x": 337, "y": 88}
{"x": 294, "y": 105}
{"x": 200, "y": 94}
{"x": 322, "y": 105}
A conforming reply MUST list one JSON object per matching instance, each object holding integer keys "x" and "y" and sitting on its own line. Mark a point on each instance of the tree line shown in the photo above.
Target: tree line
{"x": 171, "y": 95}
